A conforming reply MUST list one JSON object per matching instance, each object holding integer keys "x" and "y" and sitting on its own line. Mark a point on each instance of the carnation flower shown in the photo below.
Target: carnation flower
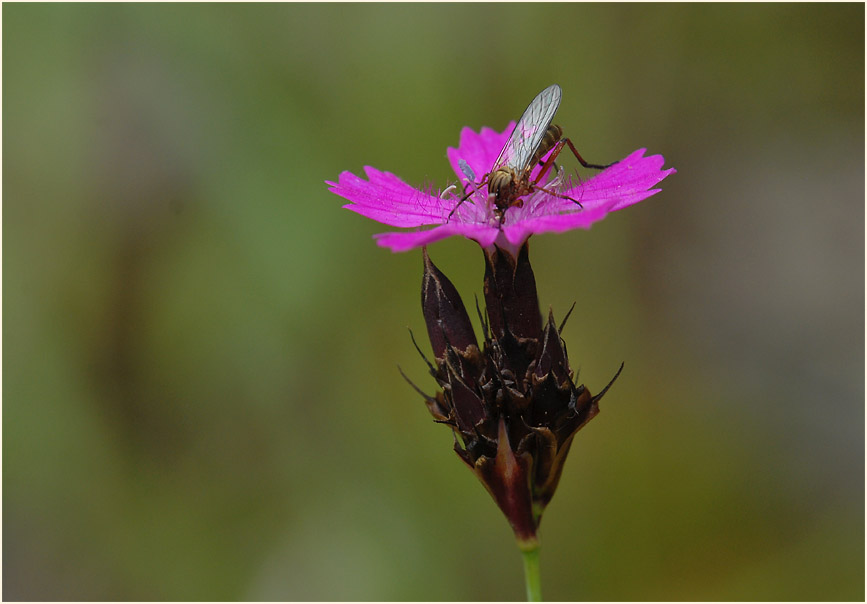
{"x": 513, "y": 403}
{"x": 387, "y": 199}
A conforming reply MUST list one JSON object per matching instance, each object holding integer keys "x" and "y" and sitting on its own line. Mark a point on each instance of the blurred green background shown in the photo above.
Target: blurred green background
{"x": 201, "y": 395}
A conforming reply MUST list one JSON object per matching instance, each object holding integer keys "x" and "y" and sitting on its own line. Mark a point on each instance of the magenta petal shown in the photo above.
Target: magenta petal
{"x": 402, "y": 242}
{"x": 625, "y": 183}
{"x": 621, "y": 185}
{"x": 479, "y": 150}
{"x": 521, "y": 230}
{"x": 387, "y": 199}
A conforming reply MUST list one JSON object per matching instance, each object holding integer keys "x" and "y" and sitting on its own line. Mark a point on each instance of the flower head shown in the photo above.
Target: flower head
{"x": 512, "y": 403}
{"x": 387, "y": 199}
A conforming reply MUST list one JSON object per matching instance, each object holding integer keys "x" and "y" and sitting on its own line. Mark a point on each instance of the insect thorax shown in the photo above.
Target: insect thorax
{"x": 504, "y": 187}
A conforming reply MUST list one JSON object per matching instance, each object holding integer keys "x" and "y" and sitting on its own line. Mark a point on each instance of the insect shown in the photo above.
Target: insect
{"x": 533, "y": 137}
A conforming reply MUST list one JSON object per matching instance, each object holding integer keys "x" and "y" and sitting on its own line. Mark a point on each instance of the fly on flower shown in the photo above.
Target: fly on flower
{"x": 533, "y": 137}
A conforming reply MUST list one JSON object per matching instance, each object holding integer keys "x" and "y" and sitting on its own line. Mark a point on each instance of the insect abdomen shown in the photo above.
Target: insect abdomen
{"x": 551, "y": 138}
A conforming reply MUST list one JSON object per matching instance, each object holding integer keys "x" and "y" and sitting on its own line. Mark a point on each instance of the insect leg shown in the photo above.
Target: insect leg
{"x": 544, "y": 169}
{"x": 467, "y": 196}
{"x": 547, "y": 165}
{"x": 560, "y": 195}
{"x": 581, "y": 159}
{"x": 557, "y": 149}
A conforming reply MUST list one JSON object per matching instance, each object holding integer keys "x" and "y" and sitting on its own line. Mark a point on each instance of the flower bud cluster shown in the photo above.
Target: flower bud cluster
{"x": 512, "y": 404}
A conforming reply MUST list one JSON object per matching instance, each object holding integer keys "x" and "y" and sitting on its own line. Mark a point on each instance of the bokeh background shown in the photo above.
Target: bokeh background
{"x": 201, "y": 397}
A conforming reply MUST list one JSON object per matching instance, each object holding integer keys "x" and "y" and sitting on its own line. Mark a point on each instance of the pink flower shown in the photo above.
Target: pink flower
{"x": 387, "y": 199}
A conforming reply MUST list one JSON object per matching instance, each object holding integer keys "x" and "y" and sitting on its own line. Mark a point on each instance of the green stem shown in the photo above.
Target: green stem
{"x": 531, "y": 574}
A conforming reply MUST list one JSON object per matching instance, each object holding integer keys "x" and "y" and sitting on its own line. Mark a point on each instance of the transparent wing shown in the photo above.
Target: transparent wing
{"x": 530, "y": 130}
